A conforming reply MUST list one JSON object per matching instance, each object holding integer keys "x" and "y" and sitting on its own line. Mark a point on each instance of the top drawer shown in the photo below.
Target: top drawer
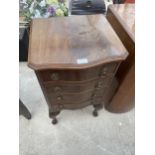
{"x": 77, "y": 75}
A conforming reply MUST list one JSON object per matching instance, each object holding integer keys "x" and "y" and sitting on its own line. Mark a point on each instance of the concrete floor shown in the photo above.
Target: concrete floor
{"x": 77, "y": 133}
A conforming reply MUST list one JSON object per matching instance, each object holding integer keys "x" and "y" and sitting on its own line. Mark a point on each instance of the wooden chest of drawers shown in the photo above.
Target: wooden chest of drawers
{"x": 75, "y": 60}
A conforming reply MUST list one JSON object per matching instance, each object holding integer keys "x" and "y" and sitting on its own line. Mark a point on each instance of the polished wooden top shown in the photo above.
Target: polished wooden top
{"x": 73, "y": 42}
{"x": 125, "y": 14}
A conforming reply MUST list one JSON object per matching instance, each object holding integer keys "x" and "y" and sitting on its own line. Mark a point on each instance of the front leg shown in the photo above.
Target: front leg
{"x": 53, "y": 116}
{"x": 95, "y": 112}
{"x": 96, "y": 108}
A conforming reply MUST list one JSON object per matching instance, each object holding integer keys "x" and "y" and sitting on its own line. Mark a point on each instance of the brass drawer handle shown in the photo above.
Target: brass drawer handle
{"x": 100, "y": 83}
{"x": 59, "y": 98}
{"x": 57, "y": 89}
{"x": 89, "y": 4}
{"x": 54, "y": 76}
{"x": 94, "y": 95}
{"x": 104, "y": 71}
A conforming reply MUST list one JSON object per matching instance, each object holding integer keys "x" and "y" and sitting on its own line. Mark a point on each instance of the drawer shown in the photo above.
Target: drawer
{"x": 77, "y": 87}
{"x": 77, "y": 75}
{"x": 58, "y": 107}
{"x": 76, "y": 106}
{"x": 69, "y": 98}
{"x": 69, "y": 87}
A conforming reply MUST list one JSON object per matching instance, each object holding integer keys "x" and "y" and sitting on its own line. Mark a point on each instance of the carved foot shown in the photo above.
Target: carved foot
{"x": 96, "y": 108}
{"x": 53, "y": 116}
{"x": 54, "y": 121}
{"x": 95, "y": 113}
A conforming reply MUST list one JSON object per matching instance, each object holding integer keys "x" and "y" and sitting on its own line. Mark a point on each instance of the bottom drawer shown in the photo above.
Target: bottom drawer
{"x": 69, "y": 98}
{"x": 77, "y": 106}
{"x": 59, "y": 107}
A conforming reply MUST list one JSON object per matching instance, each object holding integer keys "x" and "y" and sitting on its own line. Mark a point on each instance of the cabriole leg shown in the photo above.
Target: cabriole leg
{"x": 96, "y": 108}
{"x": 53, "y": 116}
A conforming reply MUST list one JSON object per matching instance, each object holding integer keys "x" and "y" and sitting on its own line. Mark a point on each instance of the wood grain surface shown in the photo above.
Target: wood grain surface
{"x": 122, "y": 19}
{"x": 73, "y": 42}
{"x": 125, "y": 14}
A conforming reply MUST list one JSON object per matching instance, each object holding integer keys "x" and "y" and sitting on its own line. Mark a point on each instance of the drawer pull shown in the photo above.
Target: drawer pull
{"x": 59, "y": 98}
{"x": 54, "y": 76}
{"x": 57, "y": 89}
{"x": 88, "y": 4}
{"x": 104, "y": 71}
{"x": 100, "y": 84}
{"x": 93, "y": 96}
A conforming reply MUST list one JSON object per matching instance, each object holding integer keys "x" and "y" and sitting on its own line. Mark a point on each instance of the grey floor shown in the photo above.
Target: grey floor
{"x": 77, "y": 133}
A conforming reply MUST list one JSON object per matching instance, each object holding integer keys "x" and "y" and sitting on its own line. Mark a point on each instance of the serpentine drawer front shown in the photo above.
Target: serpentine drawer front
{"x": 75, "y": 60}
{"x": 77, "y": 75}
{"x": 76, "y": 87}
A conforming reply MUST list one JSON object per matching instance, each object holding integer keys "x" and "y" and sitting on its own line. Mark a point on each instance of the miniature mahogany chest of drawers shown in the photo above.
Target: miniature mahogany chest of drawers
{"x": 75, "y": 59}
